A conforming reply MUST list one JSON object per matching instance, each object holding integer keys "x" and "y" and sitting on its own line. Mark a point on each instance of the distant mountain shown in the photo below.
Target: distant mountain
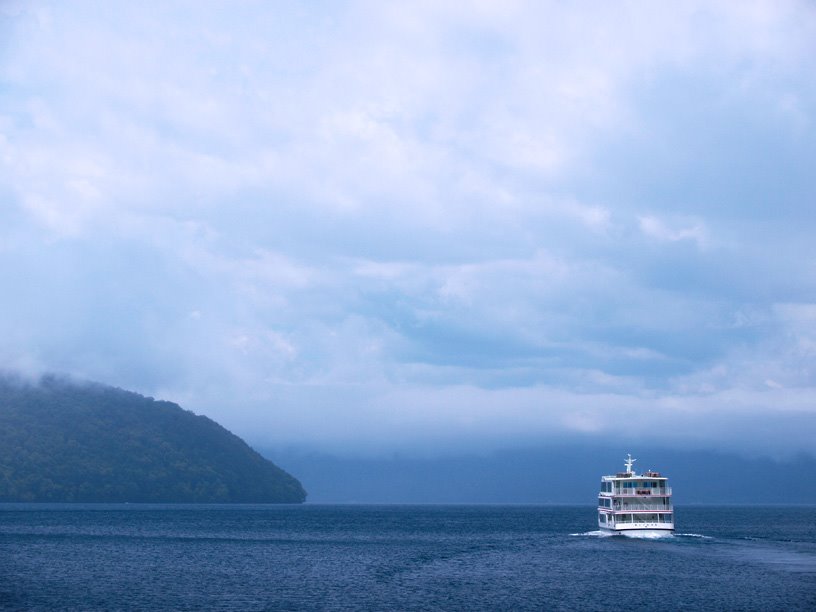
{"x": 62, "y": 441}
{"x": 566, "y": 472}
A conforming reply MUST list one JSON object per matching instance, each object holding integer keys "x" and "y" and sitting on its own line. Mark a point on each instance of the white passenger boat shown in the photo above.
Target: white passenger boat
{"x": 635, "y": 503}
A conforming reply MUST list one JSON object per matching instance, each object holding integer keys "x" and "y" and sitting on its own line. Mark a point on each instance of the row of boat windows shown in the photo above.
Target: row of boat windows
{"x": 606, "y": 486}
{"x": 656, "y": 504}
{"x": 641, "y": 485}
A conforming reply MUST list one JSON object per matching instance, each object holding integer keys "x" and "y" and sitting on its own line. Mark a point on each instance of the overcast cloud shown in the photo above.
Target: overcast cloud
{"x": 405, "y": 226}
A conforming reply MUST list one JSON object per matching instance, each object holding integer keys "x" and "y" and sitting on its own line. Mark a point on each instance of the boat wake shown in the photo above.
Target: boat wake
{"x": 593, "y": 534}
{"x": 647, "y": 535}
{"x": 638, "y": 535}
{"x": 642, "y": 535}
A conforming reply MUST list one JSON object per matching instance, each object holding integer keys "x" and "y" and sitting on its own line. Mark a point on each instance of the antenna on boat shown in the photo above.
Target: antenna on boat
{"x": 628, "y": 463}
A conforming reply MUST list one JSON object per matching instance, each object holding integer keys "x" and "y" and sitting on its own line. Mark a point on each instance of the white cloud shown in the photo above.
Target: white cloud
{"x": 415, "y": 218}
{"x": 657, "y": 229}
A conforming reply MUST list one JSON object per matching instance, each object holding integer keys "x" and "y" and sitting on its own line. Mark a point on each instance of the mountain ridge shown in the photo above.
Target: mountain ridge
{"x": 66, "y": 441}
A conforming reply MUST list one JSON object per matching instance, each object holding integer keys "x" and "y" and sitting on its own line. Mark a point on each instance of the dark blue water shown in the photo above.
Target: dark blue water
{"x": 400, "y": 558}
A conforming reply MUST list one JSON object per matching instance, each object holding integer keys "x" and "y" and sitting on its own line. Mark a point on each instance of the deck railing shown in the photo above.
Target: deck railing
{"x": 640, "y": 492}
{"x": 640, "y": 522}
{"x": 635, "y": 507}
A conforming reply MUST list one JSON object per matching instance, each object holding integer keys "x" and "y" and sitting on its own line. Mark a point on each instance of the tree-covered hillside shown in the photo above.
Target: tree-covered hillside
{"x": 62, "y": 441}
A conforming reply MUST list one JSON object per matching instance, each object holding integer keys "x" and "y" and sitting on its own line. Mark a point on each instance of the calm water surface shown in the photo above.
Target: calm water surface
{"x": 166, "y": 557}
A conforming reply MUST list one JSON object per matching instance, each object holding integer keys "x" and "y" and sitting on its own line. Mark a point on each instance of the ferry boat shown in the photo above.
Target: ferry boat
{"x": 635, "y": 503}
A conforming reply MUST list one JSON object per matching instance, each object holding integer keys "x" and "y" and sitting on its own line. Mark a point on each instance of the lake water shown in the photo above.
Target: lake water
{"x": 311, "y": 557}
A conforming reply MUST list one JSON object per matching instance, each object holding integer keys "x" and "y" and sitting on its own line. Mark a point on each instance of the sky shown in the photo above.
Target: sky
{"x": 420, "y": 227}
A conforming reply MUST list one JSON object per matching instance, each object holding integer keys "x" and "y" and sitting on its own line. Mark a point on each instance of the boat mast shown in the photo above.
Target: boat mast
{"x": 628, "y": 463}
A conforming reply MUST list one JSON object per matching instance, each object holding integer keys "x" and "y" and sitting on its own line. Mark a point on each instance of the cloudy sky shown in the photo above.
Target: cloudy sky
{"x": 371, "y": 226}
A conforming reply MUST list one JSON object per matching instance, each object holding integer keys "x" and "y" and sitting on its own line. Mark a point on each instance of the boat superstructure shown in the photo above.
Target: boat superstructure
{"x": 632, "y": 502}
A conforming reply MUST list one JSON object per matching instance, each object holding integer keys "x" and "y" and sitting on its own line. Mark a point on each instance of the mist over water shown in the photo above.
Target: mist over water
{"x": 565, "y": 473}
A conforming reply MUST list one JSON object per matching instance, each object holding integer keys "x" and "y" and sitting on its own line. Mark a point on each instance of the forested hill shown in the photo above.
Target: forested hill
{"x": 62, "y": 441}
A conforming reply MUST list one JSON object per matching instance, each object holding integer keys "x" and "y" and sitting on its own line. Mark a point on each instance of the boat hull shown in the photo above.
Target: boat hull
{"x": 644, "y": 531}
{"x": 639, "y": 533}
